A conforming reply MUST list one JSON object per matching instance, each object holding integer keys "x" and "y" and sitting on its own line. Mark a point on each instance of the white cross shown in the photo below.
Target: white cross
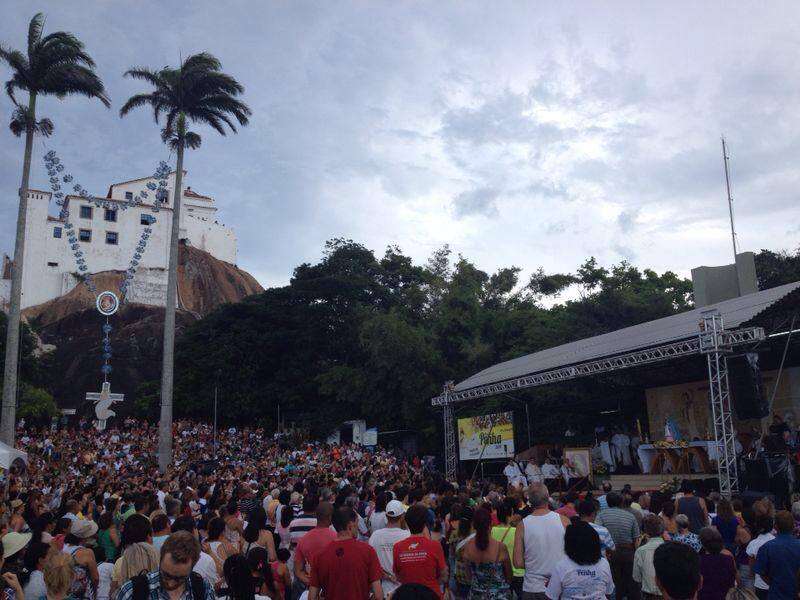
{"x": 103, "y": 402}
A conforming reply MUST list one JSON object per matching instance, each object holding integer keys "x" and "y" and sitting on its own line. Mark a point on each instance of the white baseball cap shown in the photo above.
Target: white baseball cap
{"x": 395, "y": 508}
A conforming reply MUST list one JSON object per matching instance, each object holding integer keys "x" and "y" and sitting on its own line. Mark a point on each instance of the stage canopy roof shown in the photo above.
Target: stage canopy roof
{"x": 735, "y": 313}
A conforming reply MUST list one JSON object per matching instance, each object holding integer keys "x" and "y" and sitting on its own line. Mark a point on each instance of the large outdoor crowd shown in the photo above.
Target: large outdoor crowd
{"x": 92, "y": 518}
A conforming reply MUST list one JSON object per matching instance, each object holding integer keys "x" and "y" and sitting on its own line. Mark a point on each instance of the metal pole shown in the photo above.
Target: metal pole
{"x": 216, "y": 388}
{"x": 726, "y": 158}
{"x": 528, "y": 421}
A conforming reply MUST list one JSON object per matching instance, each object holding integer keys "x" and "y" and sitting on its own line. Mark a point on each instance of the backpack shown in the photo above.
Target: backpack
{"x": 141, "y": 587}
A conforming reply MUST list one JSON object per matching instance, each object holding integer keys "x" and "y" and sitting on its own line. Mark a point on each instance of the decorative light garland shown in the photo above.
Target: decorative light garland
{"x": 54, "y": 168}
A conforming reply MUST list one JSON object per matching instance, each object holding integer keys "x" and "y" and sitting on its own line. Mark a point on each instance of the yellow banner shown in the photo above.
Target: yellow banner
{"x": 492, "y": 435}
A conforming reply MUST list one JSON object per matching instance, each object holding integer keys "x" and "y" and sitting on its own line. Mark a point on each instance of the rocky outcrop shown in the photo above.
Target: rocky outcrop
{"x": 70, "y": 328}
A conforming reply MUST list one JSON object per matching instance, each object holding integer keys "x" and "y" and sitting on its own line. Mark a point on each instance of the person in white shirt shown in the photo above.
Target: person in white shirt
{"x": 764, "y": 526}
{"x": 584, "y": 572}
{"x": 549, "y": 471}
{"x": 206, "y": 566}
{"x": 533, "y": 473}
{"x": 513, "y": 473}
{"x": 383, "y": 541}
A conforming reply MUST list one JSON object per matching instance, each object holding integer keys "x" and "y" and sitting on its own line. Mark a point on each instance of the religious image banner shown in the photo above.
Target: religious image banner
{"x": 486, "y": 436}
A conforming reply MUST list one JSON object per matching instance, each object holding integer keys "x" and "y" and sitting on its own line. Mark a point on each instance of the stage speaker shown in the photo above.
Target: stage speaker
{"x": 746, "y": 386}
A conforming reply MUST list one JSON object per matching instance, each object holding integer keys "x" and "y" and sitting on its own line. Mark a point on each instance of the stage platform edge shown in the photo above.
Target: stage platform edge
{"x": 650, "y": 482}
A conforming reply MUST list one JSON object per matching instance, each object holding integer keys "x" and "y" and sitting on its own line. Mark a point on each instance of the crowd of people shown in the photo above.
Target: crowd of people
{"x": 250, "y": 515}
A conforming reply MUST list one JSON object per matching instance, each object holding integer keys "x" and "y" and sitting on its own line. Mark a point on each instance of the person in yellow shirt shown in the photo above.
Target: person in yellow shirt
{"x": 504, "y": 533}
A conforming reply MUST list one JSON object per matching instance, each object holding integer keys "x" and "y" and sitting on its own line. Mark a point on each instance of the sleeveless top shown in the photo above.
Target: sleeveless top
{"x": 543, "y": 547}
{"x": 107, "y": 544}
{"x": 690, "y": 506}
{"x": 81, "y": 587}
{"x": 488, "y": 582}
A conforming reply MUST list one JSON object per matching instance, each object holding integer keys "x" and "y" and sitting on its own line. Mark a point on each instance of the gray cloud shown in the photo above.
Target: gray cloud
{"x": 560, "y": 131}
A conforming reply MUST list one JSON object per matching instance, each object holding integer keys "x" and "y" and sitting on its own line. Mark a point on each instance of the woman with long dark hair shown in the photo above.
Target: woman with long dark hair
{"x": 257, "y": 534}
{"x": 584, "y": 570}
{"x": 489, "y": 561}
{"x": 261, "y": 572}
{"x": 727, "y": 523}
{"x": 238, "y": 578}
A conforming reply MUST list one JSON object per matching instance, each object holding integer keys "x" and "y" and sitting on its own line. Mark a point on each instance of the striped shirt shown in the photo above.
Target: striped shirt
{"x": 606, "y": 541}
{"x": 301, "y": 526}
{"x": 621, "y": 525}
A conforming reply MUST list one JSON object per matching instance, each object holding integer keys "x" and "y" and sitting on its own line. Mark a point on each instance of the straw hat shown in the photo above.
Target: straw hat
{"x": 83, "y": 529}
{"x": 13, "y": 542}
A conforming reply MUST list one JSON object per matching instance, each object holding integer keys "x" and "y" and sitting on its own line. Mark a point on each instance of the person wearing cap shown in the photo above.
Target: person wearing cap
{"x": 383, "y": 541}
{"x": 87, "y": 575}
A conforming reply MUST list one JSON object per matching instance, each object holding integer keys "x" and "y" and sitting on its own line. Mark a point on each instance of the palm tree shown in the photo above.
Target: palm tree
{"x": 56, "y": 65}
{"x": 196, "y": 91}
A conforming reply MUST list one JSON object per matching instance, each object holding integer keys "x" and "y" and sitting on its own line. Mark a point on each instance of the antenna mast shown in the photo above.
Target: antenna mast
{"x": 726, "y": 158}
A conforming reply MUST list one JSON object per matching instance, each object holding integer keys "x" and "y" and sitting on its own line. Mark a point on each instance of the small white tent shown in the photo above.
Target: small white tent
{"x": 11, "y": 457}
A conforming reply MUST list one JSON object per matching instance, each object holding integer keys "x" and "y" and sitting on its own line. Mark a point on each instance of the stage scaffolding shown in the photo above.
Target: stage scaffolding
{"x": 713, "y": 340}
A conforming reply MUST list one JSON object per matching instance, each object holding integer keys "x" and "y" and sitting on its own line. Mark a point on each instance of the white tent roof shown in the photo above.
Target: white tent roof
{"x": 8, "y": 455}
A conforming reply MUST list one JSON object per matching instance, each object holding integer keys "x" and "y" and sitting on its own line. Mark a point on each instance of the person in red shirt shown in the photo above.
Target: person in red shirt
{"x": 312, "y": 542}
{"x": 345, "y": 569}
{"x": 418, "y": 558}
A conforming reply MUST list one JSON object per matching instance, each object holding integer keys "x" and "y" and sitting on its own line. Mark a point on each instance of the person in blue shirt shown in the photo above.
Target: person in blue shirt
{"x": 778, "y": 560}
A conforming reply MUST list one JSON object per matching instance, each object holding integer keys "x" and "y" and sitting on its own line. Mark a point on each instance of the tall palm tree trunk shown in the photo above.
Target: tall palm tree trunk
{"x": 9, "y": 407}
{"x": 168, "y": 360}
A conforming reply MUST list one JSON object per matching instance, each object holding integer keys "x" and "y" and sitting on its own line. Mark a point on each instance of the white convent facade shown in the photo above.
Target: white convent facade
{"x": 108, "y": 240}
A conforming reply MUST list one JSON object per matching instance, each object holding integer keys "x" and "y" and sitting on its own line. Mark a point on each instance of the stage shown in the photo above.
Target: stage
{"x": 650, "y": 482}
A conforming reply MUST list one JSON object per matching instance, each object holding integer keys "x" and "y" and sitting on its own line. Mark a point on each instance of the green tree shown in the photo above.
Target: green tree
{"x": 36, "y": 404}
{"x": 54, "y": 65}
{"x": 196, "y": 91}
{"x": 777, "y": 268}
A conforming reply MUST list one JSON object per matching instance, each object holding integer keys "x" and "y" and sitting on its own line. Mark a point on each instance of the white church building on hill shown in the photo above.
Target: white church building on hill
{"x": 108, "y": 238}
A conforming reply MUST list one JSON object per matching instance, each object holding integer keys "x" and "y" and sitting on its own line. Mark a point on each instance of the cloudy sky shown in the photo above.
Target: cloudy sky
{"x": 521, "y": 133}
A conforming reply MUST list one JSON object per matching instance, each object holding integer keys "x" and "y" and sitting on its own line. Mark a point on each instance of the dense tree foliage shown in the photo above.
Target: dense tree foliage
{"x": 356, "y": 336}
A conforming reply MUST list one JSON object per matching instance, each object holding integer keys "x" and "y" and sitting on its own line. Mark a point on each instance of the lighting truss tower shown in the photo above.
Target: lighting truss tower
{"x": 716, "y": 346}
{"x": 450, "y": 441}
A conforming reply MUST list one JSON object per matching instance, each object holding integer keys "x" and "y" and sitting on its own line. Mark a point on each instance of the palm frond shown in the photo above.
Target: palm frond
{"x": 197, "y": 90}
{"x": 15, "y": 84}
{"x": 44, "y": 128}
{"x": 74, "y": 79}
{"x": 63, "y": 43}
{"x": 35, "y": 31}
{"x": 135, "y": 102}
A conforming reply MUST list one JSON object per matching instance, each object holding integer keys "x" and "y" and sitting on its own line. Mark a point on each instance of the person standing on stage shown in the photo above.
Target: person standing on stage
{"x": 533, "y": 472}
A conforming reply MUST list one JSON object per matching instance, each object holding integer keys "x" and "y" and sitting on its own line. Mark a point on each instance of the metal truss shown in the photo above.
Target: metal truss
{"x": 686, "y": 347}
{"x": 450, "y": 441}
{"x": 713, "y": 340}
{"x": 715, "y": 345}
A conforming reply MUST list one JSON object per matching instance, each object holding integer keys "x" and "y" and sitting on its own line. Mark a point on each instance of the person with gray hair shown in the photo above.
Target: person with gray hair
{"x": 644, "y": 572}
{"x": 684, "y": 536}
{"x": 539, "y": 543}
{"x": 363, "y": 530}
